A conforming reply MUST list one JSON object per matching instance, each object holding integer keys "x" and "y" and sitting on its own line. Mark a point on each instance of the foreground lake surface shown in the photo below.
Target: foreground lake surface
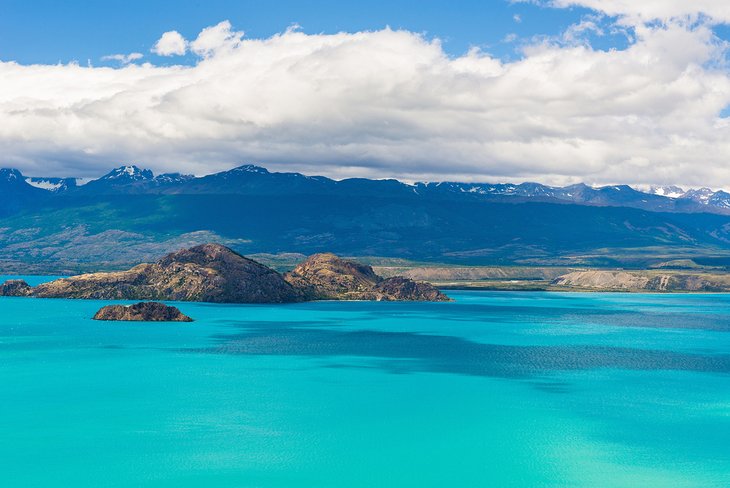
{"x": 496, "y": 389}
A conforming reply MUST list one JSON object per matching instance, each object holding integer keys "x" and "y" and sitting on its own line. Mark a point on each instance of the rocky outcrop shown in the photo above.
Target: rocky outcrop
{"x": 400, "y": 288}
{"x": 15, "y": 288}
{"x": 651, "y": 281}
{"x": 206, "y": 273}
{"x": 328, "y": 277}
{"x": 142, "y": 312}
{"x": 215, "y": 273}
{"x": 603, "y": 280}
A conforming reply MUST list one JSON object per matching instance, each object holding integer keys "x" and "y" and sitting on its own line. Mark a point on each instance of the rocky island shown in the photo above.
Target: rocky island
{"x": 328, "y": 277}
{"x": 215, "y": 273}
{"x": 142, "y": 312}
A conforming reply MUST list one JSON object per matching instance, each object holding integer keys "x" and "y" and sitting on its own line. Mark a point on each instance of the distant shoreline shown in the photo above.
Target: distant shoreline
{"x": 577, "y": 290}
{"x": 703, "y": 282}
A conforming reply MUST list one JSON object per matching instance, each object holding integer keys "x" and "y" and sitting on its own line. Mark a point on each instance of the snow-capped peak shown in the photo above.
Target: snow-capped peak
{"x": 251, "y": 168}
{"x": 130, "y": 172}
{"x": 701, "y": 195}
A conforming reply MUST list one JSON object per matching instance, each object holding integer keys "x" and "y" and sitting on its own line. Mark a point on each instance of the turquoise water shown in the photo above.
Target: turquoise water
{"x": 496, "y": 389}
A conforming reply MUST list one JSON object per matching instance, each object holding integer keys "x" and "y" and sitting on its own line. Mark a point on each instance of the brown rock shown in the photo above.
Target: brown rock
{"x": 328, "y": 277}
{"x": 143, "y": 311}
{"x": 214, "y": 273}
{"x": 400, "y": 288}
{"x": 206, "y": 273}
{"x": 15, "y": 288}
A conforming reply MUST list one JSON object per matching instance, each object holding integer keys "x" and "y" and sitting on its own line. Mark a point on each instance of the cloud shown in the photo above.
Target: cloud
{"x": 172, "y": 43}
{"x": 215, "y": 39}
{"x": 386, "y": 104}
{"x": 577, "y": 32}
{"x": 642, "y": 11}
{"x": 123, "y": 58}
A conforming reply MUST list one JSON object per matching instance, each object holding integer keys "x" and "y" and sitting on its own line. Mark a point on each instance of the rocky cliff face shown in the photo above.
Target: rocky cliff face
{"x": 142, "y": 312}
{"x": 328, "y": 277}
{"x": 215, "y": 273}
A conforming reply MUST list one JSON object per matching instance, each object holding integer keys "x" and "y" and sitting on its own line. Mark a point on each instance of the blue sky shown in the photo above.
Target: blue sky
{"x": 49, "y": 31}
{"x": 557, "y": 91}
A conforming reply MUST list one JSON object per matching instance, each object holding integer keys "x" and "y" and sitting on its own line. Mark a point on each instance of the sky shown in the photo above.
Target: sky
{"x": 554, "y": 91}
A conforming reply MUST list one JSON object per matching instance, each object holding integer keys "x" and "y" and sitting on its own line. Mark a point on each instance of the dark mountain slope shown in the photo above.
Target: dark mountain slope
{"x": 255, "y": 180}
{"x": 410, "y": 226}
{"x": 16, "y": 194}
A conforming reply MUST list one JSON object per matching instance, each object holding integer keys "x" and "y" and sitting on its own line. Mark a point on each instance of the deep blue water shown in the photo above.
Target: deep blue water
{"x": 496, "y": 389}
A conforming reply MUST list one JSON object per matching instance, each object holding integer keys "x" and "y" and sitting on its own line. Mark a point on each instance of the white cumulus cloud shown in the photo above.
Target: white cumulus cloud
{"x": 123, "y": 58}
{"x": 172, "y": 43}
{"x": 386, "y": 104}
{"x": 216, "y": 38}
{"x": 717, "y": 11}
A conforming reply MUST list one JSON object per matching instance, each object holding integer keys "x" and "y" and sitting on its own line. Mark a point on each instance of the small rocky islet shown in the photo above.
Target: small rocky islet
{"x": 142, "y": 312}
{"x": 217, "y": 274}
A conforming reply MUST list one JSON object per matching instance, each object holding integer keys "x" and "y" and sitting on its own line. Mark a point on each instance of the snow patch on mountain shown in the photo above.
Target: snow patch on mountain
{"x": 662, "y": 191}
{"x": 44, "y": 184}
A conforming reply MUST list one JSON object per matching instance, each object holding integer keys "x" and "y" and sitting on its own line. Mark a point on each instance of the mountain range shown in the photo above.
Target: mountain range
{"x": 251, "y": 179}
{"x": 131, "y": 215}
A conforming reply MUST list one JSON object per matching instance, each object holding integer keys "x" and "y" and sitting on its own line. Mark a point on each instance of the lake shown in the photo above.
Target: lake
{"x": 494, "y": 389}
